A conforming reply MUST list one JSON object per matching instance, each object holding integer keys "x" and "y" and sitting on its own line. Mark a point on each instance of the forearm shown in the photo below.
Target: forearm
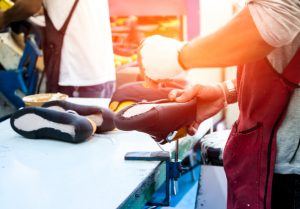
{"x": 21, "y": 10}
{"x": 238, "y": 42}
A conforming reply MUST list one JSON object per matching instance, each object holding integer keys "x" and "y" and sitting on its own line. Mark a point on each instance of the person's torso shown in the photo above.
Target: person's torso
{"x": 282, "y": 32}
{"x": 87, "y": 53}
{"x": 289, "y": 132}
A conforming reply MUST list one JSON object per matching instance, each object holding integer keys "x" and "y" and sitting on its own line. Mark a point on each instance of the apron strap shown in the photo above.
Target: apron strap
{"x": 67, "y": 21}
{"x": 292, "y": 72}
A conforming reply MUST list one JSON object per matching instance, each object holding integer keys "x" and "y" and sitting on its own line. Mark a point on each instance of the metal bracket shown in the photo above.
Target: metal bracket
{"x": 173, "y": 170}
{"x": 155, "y": 156}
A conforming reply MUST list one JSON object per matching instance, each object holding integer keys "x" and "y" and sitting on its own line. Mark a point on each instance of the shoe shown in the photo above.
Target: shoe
{"x": 131, "y": 93}
{"x": 103, "y": 117}
{"x": 43, "y": 123}
{"x": 162, "y": 120}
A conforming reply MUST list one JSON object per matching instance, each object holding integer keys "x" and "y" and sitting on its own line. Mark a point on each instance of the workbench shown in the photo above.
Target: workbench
{"x": 48, "y": 174}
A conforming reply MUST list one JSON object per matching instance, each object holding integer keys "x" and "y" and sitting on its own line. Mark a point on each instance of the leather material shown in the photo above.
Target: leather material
{"x": 136, "y": 92}
{"x": 161, "y": 120}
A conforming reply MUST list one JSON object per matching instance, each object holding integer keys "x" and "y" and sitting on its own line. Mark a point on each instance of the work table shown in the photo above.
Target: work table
{"x": 50, "y": 174}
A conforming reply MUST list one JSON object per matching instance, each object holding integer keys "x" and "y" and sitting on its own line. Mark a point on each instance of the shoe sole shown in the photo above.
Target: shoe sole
{"x": 159, "y": 119}
{"x": 42, "y": 123}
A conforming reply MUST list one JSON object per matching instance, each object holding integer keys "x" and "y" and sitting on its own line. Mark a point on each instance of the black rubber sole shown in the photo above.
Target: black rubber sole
{"x": 51, "y": 123}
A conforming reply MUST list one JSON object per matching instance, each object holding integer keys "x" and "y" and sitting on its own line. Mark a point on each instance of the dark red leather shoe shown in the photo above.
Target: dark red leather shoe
{"x": 160, "y": 119}
{"x": 104, "y": 114}
{"x": 130, "y": 93}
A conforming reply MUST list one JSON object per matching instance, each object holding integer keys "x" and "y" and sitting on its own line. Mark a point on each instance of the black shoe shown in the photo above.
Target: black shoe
{"x": 106, "y": 114}
{"x": 43, "y": 123}
{"x": 162, "y": 120}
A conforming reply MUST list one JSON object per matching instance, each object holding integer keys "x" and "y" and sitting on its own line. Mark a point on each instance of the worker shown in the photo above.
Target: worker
{"x": 261, "y": 157}
{"x": 78, "y": 52}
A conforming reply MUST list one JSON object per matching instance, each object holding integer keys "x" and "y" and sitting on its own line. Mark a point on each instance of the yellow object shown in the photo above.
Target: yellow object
{"x": 40, "y": 99}
{"x": 117, "y": 106}
{"x": 122, "y": 59}
{"x": 5, "y": 5}
{"x": 182, "y": 132}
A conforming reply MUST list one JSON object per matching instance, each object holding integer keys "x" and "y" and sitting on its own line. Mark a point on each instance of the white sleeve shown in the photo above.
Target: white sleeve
{"x": 278, "y": 21}
{"x": 58, "y": 11}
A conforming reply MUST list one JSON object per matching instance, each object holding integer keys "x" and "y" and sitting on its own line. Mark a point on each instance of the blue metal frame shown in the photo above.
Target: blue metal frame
{"x": 173, "y": 170}
{"x": 24, "y": 78}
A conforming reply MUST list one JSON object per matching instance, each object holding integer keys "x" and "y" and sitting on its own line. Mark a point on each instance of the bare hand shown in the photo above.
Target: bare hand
{"x": 210, "y": 100}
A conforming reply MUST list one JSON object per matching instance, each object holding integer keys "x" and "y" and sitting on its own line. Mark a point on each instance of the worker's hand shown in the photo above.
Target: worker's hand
{"x": 158, "y": 58}
{"x": 210, "y": 100}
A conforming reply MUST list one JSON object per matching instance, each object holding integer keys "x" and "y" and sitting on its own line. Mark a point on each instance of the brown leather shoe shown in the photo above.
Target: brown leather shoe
{"x": 160, "y": 119}
{"x": 131, "y": 93}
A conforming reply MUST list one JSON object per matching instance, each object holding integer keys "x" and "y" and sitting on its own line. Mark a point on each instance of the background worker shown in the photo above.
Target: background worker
{"x": 261, "y": 158}
{"x": 78, "y": 52}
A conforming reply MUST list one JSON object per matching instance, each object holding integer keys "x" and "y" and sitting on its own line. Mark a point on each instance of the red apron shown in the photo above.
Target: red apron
{"x": 250, "y": 152}
{"x": 53, "y": 44}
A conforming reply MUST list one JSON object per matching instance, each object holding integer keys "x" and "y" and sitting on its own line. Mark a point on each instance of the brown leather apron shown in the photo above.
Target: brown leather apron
{"x": 250, "y": 152}
{"x": 53, "y": 44}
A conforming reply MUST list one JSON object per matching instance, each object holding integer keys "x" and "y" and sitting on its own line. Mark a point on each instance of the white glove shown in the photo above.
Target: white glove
{"x": 159, "y": 57}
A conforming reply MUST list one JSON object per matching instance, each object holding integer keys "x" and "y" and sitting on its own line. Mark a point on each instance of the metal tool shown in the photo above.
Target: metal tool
{"x": 173, "y": 167}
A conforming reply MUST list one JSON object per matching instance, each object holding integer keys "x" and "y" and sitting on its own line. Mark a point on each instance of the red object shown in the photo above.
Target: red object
{"x": 250, "y": 152}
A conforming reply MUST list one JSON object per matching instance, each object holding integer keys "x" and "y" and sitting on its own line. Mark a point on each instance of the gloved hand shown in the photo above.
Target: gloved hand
{"x": 158, "y": 57}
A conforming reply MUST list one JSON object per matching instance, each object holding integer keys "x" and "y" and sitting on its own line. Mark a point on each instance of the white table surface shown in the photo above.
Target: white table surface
{"x": 48, "y": 174}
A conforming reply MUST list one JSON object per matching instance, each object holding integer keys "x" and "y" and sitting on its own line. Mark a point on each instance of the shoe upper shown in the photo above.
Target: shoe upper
{"x": 85, "y": 110}
{"x": 136, "y": 92}
{"x": 108, "y": 121}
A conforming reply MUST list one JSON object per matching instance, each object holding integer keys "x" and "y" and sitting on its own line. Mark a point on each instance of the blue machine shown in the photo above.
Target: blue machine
{"x": 24, "y": 78}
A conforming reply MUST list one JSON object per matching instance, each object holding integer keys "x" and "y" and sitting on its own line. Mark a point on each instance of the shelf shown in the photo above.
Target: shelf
{"x": 188, "y": 8}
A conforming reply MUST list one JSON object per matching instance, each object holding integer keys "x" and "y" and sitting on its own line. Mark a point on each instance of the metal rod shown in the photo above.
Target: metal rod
{"x": 177, "y": 151}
